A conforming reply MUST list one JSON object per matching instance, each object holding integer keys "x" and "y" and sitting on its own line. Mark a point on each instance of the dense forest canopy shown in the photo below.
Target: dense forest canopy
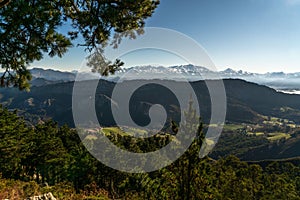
{"x": 46, "y": 157}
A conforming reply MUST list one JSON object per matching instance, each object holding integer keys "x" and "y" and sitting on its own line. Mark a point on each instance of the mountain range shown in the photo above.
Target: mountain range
{"x": 287, "y": 82}
{"x": 51, "y": 94}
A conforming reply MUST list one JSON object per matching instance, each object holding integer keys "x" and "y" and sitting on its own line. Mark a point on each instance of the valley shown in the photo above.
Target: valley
{"x": 264, "y": 123}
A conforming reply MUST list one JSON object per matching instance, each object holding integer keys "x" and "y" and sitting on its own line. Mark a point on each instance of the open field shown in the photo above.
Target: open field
{"x": 277, "y": 136}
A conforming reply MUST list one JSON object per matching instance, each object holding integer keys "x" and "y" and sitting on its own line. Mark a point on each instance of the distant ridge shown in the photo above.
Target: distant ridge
{"x": 52, "y": 75}
{"x": 277, "y": 80}
{"x": 246, "y": 101}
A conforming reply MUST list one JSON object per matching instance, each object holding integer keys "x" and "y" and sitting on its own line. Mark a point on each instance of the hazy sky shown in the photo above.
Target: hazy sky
{"x": 252, "y": 35}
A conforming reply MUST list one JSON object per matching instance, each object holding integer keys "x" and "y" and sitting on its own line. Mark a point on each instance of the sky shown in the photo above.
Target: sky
{"x": 250, "y": 35}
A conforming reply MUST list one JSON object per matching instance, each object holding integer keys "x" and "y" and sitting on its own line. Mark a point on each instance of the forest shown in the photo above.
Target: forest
{"x": 45, "y": 157}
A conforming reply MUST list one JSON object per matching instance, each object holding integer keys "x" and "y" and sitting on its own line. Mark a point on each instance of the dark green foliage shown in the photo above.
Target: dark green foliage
{"x": 29, "y": 28}
{"x": 25, "y": 36}
{"x": 13, "y": 145}
{"x": 54, "y": 156}
{"x": 227, "y": 178}
{"x": 238, "y": 144}
{"x": 184, "y": 169}
{"x": 254, "y": 148}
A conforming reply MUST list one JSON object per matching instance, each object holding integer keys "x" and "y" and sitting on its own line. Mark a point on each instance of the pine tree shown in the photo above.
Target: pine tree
{"x": 29, "y": 29}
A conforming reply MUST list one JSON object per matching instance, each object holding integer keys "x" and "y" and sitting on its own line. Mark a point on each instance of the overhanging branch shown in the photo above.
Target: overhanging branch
{"x": 4, "y": 3}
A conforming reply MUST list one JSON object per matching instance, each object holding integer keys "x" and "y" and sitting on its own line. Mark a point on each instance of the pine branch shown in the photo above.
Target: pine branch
{"x": 4, "y": 3}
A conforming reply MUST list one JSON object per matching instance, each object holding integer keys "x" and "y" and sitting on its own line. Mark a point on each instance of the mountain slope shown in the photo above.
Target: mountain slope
{"x": 246, "y": 101}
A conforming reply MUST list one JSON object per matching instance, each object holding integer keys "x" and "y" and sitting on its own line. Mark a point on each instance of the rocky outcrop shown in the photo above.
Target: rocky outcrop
{"x": 47, "y": 196}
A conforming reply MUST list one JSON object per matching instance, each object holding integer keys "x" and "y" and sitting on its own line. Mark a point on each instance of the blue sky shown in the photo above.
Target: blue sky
{"x": 252, "y": 35}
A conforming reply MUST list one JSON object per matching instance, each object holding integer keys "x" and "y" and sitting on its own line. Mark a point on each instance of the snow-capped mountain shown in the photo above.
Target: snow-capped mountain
{"x": 52, "y": 75}
{"x": 189, "y": 69}
{"x": 277, "y": 80}
{"x": 189, "y": 72}
{"x": 230, "y": 72}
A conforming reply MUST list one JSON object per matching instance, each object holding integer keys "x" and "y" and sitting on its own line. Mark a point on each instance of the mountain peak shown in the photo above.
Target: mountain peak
{"x": 277, "y": 80}
{"x": 229, "y": 70}
{"x": 51, "y": 74}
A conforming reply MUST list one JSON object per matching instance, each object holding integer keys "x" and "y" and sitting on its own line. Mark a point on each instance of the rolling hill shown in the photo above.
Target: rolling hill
{"x": 246, "y": 102}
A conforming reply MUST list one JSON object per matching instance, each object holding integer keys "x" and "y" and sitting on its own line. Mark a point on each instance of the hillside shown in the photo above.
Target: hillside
{"x": 246, "y": 102}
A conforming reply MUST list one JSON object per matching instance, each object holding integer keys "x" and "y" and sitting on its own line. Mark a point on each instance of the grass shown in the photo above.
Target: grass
{"x": 259, "y": 133}
{"x": 133, "y": 131}
{"x": 123, "y": 131}
{"x": 274, "y": 119}
{"x": 277, "y": 136}
{"x": 232, "y": 127}
{"x": 255, "y": 133}
{"x": 273, "y": 122}
{"x": 292, "y": 125}
{"x": 250, "y": 133}
{"x": 209, "y": 142}
{"x": 113, "y": 130}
